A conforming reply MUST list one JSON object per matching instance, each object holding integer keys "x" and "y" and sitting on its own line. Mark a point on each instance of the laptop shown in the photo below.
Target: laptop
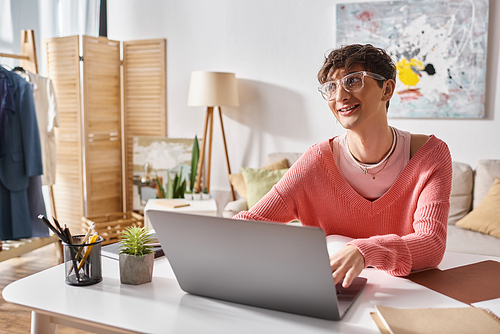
{"x": 268, "y": 265}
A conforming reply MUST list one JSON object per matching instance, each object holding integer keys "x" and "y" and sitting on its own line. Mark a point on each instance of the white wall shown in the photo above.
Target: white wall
{"x": 275, "y": 48}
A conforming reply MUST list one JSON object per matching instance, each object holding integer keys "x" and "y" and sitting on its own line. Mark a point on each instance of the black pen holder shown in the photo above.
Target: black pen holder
{"x": 82, "y": 262}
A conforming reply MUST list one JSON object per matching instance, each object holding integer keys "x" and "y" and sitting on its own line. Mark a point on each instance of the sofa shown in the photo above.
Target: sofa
{"x": 469, "y": 188}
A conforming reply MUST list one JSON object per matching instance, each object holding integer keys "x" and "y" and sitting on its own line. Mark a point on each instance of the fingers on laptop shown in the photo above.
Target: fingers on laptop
{"x": 346, "y": 264}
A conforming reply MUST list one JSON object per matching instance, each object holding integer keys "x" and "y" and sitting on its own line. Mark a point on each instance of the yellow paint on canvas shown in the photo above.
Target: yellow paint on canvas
{"x": 406, "y": 73}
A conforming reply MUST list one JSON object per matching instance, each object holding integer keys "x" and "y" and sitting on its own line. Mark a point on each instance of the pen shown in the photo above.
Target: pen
{"x": 57, "y": 223}
{"x": 87, "y": 235}
{"x": 67, "y": 234}
{"x": 52, "y": 228}
{"x": 87, "y": 251}
{"x": 85, "y": 238}
{"x": 71, "y": 250}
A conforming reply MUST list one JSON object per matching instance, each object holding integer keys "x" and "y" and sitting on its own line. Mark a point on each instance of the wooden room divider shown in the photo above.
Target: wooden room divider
{"x": 144, "y": 105}
{"x": 100, "y": 111}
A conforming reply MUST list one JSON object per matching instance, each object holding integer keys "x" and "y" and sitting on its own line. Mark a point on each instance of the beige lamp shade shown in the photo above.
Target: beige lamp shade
{"x": 212, "y": 89}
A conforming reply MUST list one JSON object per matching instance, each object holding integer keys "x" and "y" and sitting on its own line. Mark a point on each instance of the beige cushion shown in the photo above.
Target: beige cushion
{"x": 461, "y": 192}
{"x": 238, "y": 182}
{"x": 259, "y": 182}
{"x": 234, "y": 207}
{"x": 485, "y": 217}
{"x": 486, "y": 172}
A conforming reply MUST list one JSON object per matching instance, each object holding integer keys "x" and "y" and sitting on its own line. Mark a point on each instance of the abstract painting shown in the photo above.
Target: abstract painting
{"x": 439, "y": 47}
{"x": 163, "y": 154}
{"x": 158, "y": 156}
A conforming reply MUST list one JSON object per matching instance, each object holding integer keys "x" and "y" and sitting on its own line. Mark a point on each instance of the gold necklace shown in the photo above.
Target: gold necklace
{"x": 373, "y": 175}
{"x": 385, "y": 159}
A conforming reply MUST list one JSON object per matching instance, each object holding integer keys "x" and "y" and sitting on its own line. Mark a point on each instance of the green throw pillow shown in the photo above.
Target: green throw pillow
{"x": 238, "y": 182}
{"x": 259, "y": 181}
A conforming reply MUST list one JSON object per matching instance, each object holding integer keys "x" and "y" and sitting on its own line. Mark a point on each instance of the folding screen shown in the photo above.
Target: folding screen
{"x": 90, "y": 164}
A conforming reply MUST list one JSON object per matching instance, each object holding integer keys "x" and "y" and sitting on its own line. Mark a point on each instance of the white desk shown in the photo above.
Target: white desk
{"x": 207, "y": 207}
{"x": 161, "y": 307}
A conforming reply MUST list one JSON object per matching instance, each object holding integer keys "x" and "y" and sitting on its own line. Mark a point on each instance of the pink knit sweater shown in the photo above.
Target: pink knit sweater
{"x": 403, "y": 230}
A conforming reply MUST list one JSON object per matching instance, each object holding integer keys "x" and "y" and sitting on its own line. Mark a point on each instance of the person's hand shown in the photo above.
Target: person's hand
{"x": 347, "y": 263}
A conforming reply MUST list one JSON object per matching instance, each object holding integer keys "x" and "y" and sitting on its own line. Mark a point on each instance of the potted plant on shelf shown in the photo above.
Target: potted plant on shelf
{"x": 195, "y": 158}
{"x": 136, "y": 256}
{"x": 175, "y": 188}
{"x": 188, "y": 194}
{"x": 205, "y": 194}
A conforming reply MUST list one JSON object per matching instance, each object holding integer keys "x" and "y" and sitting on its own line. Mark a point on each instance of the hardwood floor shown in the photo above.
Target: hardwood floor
{"x": 15, "y": 319}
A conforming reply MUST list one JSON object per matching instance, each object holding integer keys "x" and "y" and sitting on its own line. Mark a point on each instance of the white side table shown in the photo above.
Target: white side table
{"x": 207, "y": 207}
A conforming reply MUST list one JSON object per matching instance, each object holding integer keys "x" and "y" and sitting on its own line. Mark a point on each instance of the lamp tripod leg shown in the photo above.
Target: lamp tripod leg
{"x": 197, "y": 186}
{"x": 227, "y": 156}
{"x": 209, "y": 162}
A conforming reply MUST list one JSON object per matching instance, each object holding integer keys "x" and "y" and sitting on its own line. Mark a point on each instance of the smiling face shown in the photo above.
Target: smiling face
{"x": 361, "y": 107}
{"x": 352, "y": 108}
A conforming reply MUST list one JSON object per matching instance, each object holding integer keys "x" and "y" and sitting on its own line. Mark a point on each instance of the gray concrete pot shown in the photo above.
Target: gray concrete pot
{"x": 136, "y": 270}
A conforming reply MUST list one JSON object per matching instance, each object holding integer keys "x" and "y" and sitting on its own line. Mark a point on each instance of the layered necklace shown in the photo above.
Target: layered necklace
{"x": 366, "y": 168}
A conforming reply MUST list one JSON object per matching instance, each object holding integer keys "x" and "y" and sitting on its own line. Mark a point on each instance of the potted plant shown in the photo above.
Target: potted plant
{"x": 175, "y": 188}
{"x": 195, "y": 158}
{"x": 136, "y": 256}
{"x": 188, "y": 195}
{"x": 205, "y": 194}
{"x": 160, "y": 193}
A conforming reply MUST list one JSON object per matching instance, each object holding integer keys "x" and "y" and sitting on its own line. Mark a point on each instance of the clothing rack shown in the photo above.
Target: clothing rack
{"x": 28, "y": 52}
{"x": 28, "y": 61}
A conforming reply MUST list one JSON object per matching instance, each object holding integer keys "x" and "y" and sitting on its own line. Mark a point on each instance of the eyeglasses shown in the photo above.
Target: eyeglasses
{"x": 351, "y": 83}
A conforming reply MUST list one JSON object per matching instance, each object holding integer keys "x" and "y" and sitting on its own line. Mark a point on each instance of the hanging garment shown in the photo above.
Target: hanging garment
{"x": 47, "y": 115}
{"x": 36, "y": 202}
{"x": 37, "y": 207}
{"x": 21, "y": 161}
{"x": 6, "y": 106}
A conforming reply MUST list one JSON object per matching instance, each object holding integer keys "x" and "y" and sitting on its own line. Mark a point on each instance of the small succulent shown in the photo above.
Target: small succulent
{"x": 134, "y": 241}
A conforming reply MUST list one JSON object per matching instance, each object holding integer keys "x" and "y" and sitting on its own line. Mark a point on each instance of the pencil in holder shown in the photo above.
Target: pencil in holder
{"x": 82, "y": 262}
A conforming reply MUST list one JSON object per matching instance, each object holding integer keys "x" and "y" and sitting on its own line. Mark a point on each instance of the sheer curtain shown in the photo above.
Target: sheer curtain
{"x": 48, "y": 18}
{"x": 77, "y": 17}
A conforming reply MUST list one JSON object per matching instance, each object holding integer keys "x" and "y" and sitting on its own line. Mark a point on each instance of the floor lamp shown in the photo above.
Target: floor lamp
{"x": 212, "y": 89}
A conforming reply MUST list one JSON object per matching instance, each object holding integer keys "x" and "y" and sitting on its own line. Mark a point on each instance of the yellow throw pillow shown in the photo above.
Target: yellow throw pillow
{"x": 259, "y": 182}
{"x": 238, "y": 182}
{"x": 485, "y": 218}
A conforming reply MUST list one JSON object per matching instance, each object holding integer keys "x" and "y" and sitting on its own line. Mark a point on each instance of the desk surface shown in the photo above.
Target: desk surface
{"x": 207, "y": 207}
{"x": 201, "y": 206}
{"x": 162, "y": 307}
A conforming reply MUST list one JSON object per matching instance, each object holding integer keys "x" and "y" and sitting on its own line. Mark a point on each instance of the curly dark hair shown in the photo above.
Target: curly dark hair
{"x": 375, "y": 60}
